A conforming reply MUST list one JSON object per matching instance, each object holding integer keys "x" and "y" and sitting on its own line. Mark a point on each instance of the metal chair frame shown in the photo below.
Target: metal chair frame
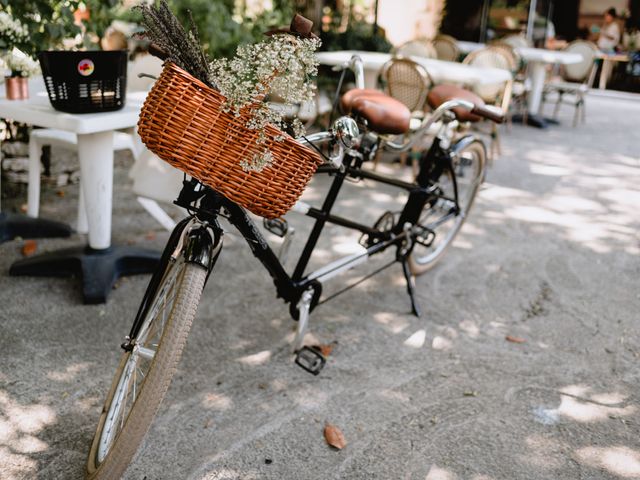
{"x": 573, "y": 85}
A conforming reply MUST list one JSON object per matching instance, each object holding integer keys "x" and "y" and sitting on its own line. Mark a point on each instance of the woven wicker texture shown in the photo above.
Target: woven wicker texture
{"x": 183, "y": 122}
{"x": 418, "y": 48}
{"x": 489, "y": 57}
{"x": 446, "y": 48}
{"x": 579, "y": 72}
{"x": 407, "y": 82}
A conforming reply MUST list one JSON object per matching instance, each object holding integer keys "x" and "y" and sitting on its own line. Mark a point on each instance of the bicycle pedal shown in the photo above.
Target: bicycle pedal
{"x": 277, "y": 226}
{"x": 310, "y": 360}
{"x": 425, "y": 237}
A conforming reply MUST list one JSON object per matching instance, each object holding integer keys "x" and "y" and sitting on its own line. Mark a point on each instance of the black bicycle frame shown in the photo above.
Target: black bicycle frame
{"x": 291, "y": 287}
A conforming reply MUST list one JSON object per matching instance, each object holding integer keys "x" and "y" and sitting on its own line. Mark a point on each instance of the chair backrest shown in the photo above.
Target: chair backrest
{"x": 493, "y": 57}
{"x": 514, "y": 57}
{"x": 446, "y": 48}
{"x": 419, "y": 48}
{"x": 516, "y": 41}
{"x": 407, "y": 82}
{"x": 580, "y": 72}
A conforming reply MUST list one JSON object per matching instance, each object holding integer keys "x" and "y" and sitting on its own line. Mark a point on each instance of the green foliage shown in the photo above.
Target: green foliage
{"x": 48, "y": 21}
{"x": 358, "y": 36}
{"x": 221, "y": 31}
{"x": 101, "y": 14}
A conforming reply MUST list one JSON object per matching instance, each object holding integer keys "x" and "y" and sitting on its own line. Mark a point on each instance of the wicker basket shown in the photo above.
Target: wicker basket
{"x": 182, "y": 122}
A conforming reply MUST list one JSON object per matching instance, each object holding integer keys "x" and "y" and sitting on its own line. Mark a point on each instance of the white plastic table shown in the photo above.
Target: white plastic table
{"x": 100, "y": 264}
{"x": 439, "y": 70}
{"x": 536, "y": 58}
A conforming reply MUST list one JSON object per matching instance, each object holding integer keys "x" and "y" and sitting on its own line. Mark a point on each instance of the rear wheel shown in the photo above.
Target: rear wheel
{"x": 469, "y": 165}
{"x": 144, "y": 373}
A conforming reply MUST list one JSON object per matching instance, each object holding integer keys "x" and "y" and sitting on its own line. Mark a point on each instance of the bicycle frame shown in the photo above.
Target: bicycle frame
{"x": 199, "y": 236}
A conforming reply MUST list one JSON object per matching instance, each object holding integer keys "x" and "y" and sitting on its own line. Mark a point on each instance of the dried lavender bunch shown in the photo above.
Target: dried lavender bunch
{"x": 164, "y": 30}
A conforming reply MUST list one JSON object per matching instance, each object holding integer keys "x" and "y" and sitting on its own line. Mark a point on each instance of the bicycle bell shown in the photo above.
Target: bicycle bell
{"x": 346, "y": 129}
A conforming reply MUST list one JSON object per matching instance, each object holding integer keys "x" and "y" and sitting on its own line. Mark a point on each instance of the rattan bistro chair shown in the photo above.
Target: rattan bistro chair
{"x": 446, "y": 48}
{"x": 416, "y": 48}
{"x": 409, "y": 83}
{"x": 517, "y": 41}
{"x": 497, "y": 95}
{"x": 577, "y": 79}
{"x": 521, "y": 83}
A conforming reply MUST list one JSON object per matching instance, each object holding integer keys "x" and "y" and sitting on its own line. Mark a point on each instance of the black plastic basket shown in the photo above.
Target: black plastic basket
{"x": 85, "y": 82}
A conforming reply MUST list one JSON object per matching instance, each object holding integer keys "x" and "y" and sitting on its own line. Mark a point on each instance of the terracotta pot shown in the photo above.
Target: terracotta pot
{"x": 17, "y": 88}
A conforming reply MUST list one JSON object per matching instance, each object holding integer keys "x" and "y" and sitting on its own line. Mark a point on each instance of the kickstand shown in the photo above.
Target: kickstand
{"x": 309, "y": 359}
{"x": 411, "y": 288}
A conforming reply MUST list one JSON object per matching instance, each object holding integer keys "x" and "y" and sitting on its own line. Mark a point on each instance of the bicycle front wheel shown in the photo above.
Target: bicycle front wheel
{"x": 469, "y": 165}
{"x": 144, "y": 373}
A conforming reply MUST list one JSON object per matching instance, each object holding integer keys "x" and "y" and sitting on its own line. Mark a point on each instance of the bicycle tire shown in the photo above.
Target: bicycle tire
{"x": 423, "y": 259}
{"x": 111, "y": 461}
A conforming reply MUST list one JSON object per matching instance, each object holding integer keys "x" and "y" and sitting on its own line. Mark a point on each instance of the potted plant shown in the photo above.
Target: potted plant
{"x": 21, "y": 66}
{"x": 12, "y": 35}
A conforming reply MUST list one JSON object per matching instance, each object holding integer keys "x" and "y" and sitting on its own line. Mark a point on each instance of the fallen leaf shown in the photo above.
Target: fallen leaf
{"x": 208, "y": 423}
{"x": 510, "y": 338}
{"x": 23, "y": 208}
{"x": 325, "y": 349}
{"x": 29, "y": 248}
{"x": 470, "y": 393}
{"x": 334, "y": 436}
{"x": 60, "y": 193}
{"x": 150, "y": 235}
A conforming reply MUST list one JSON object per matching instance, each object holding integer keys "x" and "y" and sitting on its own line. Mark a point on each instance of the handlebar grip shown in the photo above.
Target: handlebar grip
{"x": 488, "y": 113}
{"x": 156, "y": 51}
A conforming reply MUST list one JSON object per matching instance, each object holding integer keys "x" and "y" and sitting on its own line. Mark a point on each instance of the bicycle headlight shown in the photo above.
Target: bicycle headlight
{"x": 346, "y": 129}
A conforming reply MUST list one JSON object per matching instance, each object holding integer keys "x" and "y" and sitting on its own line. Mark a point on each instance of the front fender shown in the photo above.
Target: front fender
{"x": 202, "y": 247}
{"x": 463, "y": 143}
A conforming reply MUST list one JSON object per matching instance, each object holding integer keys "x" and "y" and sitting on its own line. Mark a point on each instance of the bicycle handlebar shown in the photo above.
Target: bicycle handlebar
{"x": 356, "y": 65}
{"x": 489, "y": 114}
{"x": 429, "y": 121}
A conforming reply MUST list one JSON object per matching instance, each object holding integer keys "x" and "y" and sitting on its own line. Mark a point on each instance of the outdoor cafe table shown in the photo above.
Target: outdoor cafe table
{"x": 608, "y": 61}
{"x": 537, "y": 59}
{"x": 100, "y": 263}
{"x": 439, "y": 70}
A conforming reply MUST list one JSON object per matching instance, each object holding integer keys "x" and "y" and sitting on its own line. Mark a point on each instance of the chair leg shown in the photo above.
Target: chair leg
{"x": 576, "y": 115}
{"x": 584, "y": 110}
{"x": 495, "y": 136}
{"x": 157, "y": 212}
{"x": 557, "y": 109}
{"x": 33, "y": 195}
{"x": 376, "y": 159}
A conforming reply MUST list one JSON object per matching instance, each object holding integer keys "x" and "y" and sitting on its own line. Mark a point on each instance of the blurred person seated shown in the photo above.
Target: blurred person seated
{"x": 609, "y": 37}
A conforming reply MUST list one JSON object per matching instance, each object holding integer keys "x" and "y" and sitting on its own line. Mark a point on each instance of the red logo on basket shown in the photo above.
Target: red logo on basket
{"x": 86, "y": 67}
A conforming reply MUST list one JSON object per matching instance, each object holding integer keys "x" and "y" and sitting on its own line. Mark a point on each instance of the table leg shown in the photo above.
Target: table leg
{"x": 99, "y": 264}
{"x": 12, "y": 226}
{"x": 95, "y": 152}
{"x": 605, "y": 73}
{"x": 537, "y": 75}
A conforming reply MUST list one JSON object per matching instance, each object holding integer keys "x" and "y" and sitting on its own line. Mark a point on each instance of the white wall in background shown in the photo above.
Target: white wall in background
{"x": 404, "y": 20}
{"x": 599, "y": 6}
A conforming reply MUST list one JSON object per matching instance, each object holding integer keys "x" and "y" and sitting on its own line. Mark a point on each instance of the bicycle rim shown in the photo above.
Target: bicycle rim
{"x": 469, "y": 167}
{"x": 144, "y": 373}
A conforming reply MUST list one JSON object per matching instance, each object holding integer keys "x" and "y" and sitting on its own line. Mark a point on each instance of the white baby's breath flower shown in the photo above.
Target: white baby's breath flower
{"x": 21, "y": 64}
{"x": 282, "y": 65}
